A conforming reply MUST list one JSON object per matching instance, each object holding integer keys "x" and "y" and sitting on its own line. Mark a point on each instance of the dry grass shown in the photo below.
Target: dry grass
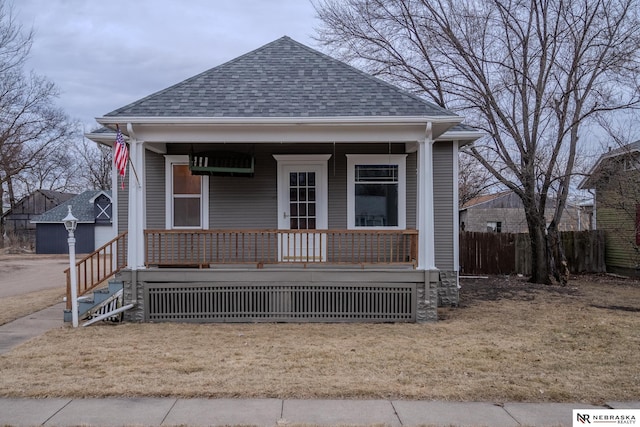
{"x": 508, "y": 342}
{"x": 12, "y": 308}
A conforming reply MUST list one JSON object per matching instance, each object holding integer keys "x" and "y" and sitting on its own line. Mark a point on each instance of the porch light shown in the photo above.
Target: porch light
{"x": 70, "y": 223}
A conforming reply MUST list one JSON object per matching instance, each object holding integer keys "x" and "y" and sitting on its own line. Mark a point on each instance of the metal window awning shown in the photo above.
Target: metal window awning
{"x": 221, "y": 163}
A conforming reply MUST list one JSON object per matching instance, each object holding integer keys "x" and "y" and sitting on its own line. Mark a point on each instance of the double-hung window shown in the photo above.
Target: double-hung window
{"x": 187, "y": 195}
{"x": 376, "y": 192}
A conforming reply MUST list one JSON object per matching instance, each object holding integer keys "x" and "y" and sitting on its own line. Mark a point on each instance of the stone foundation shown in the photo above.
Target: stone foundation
{"x": 448, "y": 295}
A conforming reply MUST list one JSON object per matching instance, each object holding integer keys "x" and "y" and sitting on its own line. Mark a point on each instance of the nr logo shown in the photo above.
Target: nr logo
{"x": 584, "y": 419}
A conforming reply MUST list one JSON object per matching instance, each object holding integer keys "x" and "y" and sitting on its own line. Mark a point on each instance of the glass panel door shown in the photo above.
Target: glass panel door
{"x": 301, "y": 212}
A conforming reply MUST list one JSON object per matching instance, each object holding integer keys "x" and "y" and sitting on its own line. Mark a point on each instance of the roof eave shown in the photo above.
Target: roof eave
{"x": 466, "y": 137}
{"x": 340, "y": 120}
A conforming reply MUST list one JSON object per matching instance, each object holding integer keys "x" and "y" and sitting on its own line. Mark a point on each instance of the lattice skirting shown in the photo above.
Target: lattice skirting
{"x": 251, "y": 302}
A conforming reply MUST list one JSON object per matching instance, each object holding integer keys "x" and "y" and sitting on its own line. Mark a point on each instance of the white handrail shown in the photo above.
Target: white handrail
{"x": 109, "y": 314}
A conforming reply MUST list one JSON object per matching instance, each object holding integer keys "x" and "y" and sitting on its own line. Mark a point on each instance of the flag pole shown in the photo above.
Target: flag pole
{"x": 133, "y": 168}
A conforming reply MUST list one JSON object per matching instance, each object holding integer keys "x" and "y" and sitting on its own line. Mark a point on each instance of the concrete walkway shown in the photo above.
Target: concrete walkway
{"x": 260, "y": 412}
{"x": 276, "y": 412}
{"x": 31, "y": 326}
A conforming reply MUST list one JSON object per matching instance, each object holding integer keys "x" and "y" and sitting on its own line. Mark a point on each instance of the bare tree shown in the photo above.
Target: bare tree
{"x": 32, "y": 129}
{"x": 95, "y": 165}
{"x": 473, "y": 179}
{"x": 531, "y": 74}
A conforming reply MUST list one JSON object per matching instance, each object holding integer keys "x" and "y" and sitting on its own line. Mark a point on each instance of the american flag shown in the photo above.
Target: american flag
{"x": 121, "y": 155}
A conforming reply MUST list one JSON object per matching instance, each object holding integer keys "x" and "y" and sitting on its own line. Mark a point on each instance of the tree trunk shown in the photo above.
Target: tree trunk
{"x": 558, "y": 258}
{"x": 540, "y": 272}
{"x": 1, "y": 217}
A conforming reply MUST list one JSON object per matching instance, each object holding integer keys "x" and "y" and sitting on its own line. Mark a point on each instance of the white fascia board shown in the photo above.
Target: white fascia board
{"x": 60, "y": 223}
{"x": 101, "y": 192}
{"x": 387, "y": 120}
{"x": 102, "y": 138}
{"x": 466, "y": 136}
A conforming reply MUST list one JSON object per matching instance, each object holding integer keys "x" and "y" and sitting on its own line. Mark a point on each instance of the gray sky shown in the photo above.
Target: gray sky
{"x": 103, "y": 55}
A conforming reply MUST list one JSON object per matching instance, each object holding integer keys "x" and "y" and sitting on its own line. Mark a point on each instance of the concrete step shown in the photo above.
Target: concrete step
{"x": 88, "y": 302}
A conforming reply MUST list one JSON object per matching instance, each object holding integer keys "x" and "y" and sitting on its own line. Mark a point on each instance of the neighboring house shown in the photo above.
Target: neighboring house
{"x": 94, "y": 212}
{"x": 503, "y": 212}
{"x": 287, "y": 185}
{"x": 17, "y": 221}
{"x": 616, "y": 180}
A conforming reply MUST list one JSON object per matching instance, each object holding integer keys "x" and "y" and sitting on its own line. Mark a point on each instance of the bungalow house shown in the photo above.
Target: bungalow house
{"x": 503, "y": 212}
{"x": 615, "y": 180}
{"x": 92, "y": 208}
{"x": 285, "y": 185}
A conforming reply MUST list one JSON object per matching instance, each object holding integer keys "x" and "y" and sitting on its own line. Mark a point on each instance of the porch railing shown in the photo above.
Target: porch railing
{"x": 202, "y": 248}
{"x": 98, "y": 266}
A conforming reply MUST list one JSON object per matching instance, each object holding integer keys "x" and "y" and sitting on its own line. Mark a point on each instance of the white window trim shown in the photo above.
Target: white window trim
{"x": 171, "y": 160}
{"x": 322, "y": 195}
{"x": 377, "y": 159}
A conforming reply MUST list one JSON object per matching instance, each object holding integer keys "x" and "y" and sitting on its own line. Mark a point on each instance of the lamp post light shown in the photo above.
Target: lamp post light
{"x": 70, "y": 223}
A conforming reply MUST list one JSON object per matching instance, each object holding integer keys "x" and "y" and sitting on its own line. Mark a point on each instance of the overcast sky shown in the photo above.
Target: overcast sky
{"x": 103, "y": 55}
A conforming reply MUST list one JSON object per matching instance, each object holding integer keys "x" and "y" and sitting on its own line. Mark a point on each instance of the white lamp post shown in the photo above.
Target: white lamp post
{"x": 70, "y": 223}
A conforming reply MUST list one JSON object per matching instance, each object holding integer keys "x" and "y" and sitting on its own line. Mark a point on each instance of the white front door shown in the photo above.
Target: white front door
{"x": 302, "y": 205}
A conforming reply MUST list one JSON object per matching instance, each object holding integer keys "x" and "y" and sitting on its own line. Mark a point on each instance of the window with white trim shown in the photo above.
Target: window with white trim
{"x": 376, "y": 192}
{"x": 187, "y": 195}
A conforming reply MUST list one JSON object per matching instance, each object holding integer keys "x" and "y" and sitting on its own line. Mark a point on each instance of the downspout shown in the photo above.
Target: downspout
{"x": 456, "y": 213}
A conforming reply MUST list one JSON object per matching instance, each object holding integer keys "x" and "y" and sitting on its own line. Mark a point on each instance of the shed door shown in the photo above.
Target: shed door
{"x": 302, "y": 201}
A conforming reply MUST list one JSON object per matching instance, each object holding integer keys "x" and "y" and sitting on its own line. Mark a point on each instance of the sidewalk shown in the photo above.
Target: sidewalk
{"x": 276, "y": 412}
{"x": 260, "y": 412}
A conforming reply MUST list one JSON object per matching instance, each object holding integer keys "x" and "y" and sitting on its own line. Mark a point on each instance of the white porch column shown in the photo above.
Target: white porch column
{"x": 137, "y": 197}
{"x": 425, "y": 214}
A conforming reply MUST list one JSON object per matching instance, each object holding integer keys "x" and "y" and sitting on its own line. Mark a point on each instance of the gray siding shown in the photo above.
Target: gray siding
{"x": 443, "y": 158}
{"x": 412, "y": 190}
{"x": 123, "y": 204}
{"x": 238, "y": 202}
{"x": 155, "y": 186}
{"x": 52, "y": 239}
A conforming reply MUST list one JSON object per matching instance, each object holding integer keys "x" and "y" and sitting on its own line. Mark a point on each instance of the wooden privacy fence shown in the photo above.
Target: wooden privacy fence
{"x": 506, "y": 253}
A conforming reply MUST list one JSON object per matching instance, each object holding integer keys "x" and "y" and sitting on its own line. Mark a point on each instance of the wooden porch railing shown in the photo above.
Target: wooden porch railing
{"x": 98, "y": 266}
{"x": 202, "y": 248}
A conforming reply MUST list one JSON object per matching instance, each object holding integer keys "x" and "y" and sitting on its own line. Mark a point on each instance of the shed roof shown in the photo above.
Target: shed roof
{"x": 81, "y": 206}
{"x": 282, "y": 79}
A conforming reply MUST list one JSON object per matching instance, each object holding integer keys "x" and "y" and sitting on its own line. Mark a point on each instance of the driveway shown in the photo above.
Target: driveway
{"x": 21, "y": 274}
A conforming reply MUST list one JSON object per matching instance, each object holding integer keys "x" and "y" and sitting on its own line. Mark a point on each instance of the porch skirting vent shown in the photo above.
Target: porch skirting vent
{"x": 233, "y": 302}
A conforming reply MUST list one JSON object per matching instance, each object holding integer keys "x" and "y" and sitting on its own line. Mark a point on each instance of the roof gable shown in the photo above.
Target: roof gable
{"x": 281, "y": 79}
{"x": 595, "y": 173}
{"x": 82, "y": 207}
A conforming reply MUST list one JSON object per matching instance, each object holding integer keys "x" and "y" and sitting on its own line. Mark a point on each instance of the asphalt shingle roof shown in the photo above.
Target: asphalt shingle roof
{"x": 281, "y": 79}
{"x": 80, "y": 208}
